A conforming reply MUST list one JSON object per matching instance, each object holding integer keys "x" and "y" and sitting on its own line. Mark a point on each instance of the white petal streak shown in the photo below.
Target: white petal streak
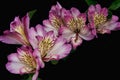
{"x": 32, "y": 39}
{"x": 14, "y": 67}
{"x": 86, "y": 34}
{"x": 13, "y": 57}
{"x": 76, "y": 43}
{"x": 66, "y": 33}
{"x": 60, "y": 50}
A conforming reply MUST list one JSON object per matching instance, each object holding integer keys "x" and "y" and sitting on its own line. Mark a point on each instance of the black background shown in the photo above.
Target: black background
{"x": 95, "y": 59}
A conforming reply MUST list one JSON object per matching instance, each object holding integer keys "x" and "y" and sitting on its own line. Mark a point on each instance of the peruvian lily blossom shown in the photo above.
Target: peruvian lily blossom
{"x": 49, "y": 47}
{"x": 55, "y": 19}
{"x": 99, "y": 22}
{"x": 76, "y": 29}
{"x": 25, "y": 61}
{"x": 18, "y": 33}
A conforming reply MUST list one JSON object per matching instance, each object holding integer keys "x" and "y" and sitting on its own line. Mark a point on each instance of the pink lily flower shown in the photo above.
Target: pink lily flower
{"x": 25, "y": 61}
{"x": 49, "y": 47}
{"x": 18, "y": 33}
{"x": 99, "y": 22}
{"x": 75, "y": 29}
{"x": 55, "y": 19}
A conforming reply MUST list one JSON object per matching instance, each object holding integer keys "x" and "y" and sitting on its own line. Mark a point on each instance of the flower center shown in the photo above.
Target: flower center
{"x": 20, "y": 30}
{"x": 56, "y": 22}
{"x": 99, "y": 19}
{"x": 29, "y": 61}
{"x": 45, "y": 45}
{"x": 76, "y": 24}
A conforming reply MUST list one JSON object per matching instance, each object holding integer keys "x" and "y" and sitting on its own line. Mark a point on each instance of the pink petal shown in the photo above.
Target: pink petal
{"x": 109, "y": 26}
{"x": 56, "y": 53}
{"x": 66, "y": 33}
{"x": 86, "y": 34}
{"x": 75, "y": 12}
{"x": 53, "y": 8}
{"x": 49, "y": 27}
{"x": 83, "y": 15}
{"x": 39, "y": 60}
{"x": 40, "y": 30}
{"x": 52, "y": 15}
{"x": 104, "y": 31}
{"x": 23, "y": 50}
{"x": 75, "y": 43}
{"x": 104, "y": 11}
{"x": 50, "y": 34}
{"x": 118, "y": 26}
{"x": 91, "y": 16}
{"x": 13, "y": 57}
{"x": 11, "y": 38}
{"x": 113, "y": 26}
{"x": 33, "y": 41}
{"x": 15, "y": 24}
{"x": 25, "y": 21}
{"x": 17, "y": 67}
{"x": 91, "y": 9}
{"x": 14, "y": 67}
{"x": 93, "y": 29}
{"x": 68, "y": 18}
{"x": 98, "y": 8}
{"x": 114, "y": 19}
{"x": 14, "y": 35}
{"x": 64, "y": 12}
{"x": 35, "y": 76}
{"x": 39, "y": 38}
{"x": 58, "y": 5}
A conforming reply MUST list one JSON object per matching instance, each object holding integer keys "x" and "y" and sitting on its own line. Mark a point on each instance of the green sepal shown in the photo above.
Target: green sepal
{"x": 91, "y": 2}
{"x": 115, "y": 5}
{"x": 54, "y": 62}
{"x": 31, "y": 13}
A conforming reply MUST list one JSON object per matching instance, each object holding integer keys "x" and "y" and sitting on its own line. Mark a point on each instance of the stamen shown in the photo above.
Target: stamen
{"x": 76, "y": 24}
{"x": 56, "y": 22}
{"x": 72, "y": 25}
{"x": 99, "y": 19}
{"x": 80, "y": 23}
{"x": 29, "y": 61}
{"x": 45, "y": 45}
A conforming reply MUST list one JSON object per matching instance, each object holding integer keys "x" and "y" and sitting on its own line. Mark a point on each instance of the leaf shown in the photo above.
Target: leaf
{"x": 30, "y": 77}
{"x": 109, "y": 14}
{"x": 31, "y": 13}
{"x": 115, "y": 5}
{"x": 90, "y": 2}
{"x": 54, "y": 62}
{"x": 25, "y": 76}
{"x": 39, "y": 79}
{"x": 72, "y": 51}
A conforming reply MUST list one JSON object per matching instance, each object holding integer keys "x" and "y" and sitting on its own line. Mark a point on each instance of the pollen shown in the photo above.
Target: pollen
{"x": 99, "y": 19}
{"x": 29, "y": 61}
{"x": 76, "y": 24}
{"x": 80, "y": 23}
{"x": 46, "y": 45}
{"x": 71, "y": 24}
{"x": 56, "y": 22}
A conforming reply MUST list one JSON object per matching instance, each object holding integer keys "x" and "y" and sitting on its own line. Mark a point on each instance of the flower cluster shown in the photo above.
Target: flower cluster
{"x": 55, "y": 38}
